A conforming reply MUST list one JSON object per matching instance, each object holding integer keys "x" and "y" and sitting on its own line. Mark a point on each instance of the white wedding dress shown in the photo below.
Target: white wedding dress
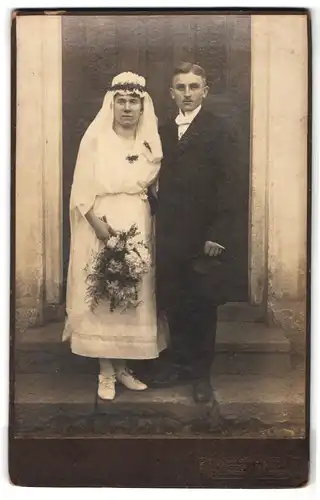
{"x": 116, "y": 188}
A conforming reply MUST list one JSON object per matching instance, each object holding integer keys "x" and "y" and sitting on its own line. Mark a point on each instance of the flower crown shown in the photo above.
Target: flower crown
{"x": 129, "y": 83}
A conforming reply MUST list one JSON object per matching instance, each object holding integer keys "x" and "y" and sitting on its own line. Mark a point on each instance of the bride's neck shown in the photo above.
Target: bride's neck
{"x": 125, "y": 133}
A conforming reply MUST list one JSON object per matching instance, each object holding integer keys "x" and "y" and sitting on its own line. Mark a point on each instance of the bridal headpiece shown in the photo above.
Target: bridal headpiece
{"x": 129, "y": 83}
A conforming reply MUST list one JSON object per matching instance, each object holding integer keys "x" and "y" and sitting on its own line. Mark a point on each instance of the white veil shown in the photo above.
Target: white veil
{"x": 147, "y": 140}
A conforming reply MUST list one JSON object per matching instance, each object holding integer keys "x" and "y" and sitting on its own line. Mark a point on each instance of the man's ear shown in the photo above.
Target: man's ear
{"x": 205, "y": 91}
{"x": 172, "y": 93}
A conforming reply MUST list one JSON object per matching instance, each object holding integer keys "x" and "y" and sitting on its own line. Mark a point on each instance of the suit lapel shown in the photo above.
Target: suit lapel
{"x": 192, "y": 134}
{"x": 196, "y": 128}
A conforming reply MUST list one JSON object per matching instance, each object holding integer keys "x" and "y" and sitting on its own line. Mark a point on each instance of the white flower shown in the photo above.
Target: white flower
{"x": 130, "y": 245}
{"x": 144, "y": 255}
{"x": 120, "y": 245}
{"x": 112, "y": 286}
{"x": 132, "y": 259}
{"x": 114, "y": 266}
{"x": 112, "y": 242}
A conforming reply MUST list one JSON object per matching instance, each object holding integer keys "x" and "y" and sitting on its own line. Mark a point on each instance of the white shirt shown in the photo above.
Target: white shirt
{"x": 184, "y": 120}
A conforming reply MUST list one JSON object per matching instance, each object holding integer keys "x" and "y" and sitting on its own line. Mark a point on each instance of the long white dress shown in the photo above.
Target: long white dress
{"x": 116, "y": 189}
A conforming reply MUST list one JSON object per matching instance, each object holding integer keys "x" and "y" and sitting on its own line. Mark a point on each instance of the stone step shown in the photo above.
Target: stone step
{"x": 64, "y": 404}
{"x": 241, "y": 311}
{"x": 232, "y": 311}
{"x": 241, "y": 348}
{"x": 244, "y": 347}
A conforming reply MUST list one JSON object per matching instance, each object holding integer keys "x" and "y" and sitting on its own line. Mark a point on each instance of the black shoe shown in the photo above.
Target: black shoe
{"x": 169, "y": 376}
{"x": 202, "y": 391}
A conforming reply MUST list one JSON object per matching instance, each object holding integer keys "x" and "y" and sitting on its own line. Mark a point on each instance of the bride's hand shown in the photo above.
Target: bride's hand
{"x": 103, "y": 230}
{"x": 100, "y": 226}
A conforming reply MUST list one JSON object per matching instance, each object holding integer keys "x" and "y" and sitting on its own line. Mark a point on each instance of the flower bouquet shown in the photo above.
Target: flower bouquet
{"x": 116, "y": 271}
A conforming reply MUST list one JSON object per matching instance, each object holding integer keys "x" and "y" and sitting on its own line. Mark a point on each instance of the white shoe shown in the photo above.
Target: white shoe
{"x": 107, "y": 387}
{"x": 127, "y": 378}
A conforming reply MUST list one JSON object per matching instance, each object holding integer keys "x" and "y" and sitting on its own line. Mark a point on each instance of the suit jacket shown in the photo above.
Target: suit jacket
{"x": 195, "y": 199}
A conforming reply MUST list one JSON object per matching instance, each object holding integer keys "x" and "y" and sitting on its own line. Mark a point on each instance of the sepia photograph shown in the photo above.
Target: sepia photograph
{"x": 160, "y": 270}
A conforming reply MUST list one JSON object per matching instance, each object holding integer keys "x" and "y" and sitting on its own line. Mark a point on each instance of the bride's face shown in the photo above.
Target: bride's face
{"x": 127, "y": 110}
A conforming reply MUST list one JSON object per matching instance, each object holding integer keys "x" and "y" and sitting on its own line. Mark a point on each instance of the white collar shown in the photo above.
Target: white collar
{"x": 189, "y": 115}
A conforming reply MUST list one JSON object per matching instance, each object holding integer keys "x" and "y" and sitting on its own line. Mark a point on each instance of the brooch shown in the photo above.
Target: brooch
{"x": 132, "y": 158}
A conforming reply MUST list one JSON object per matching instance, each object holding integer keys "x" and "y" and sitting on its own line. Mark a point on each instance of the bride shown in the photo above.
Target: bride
{"x": 119, "y": 158}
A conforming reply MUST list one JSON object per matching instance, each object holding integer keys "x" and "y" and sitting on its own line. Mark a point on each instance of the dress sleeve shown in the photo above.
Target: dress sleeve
{"x": 83, "y": 190}
{"x": 150, "y": 175}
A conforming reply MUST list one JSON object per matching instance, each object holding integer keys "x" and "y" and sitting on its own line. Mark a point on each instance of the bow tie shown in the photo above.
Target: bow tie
{"x": 183, "y": 120}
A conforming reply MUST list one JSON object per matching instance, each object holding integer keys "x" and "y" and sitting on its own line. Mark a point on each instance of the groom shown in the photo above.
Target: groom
{"x": 193, "y": 212}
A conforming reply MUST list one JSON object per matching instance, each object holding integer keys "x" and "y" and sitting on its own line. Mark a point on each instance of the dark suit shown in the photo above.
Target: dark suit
{"x": 194, "y": 205}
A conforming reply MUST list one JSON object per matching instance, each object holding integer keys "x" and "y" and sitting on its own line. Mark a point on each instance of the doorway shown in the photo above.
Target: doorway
{"x": 96, "y": 48}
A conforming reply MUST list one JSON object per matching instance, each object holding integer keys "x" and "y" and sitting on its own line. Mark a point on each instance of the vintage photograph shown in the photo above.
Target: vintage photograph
{"x": 161, "y": 225}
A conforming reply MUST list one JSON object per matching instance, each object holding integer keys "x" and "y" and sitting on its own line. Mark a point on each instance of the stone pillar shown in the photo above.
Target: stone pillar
{"x": 279, "y": 158}
{"x": 259, "y": 159}
{"x": 38, "y": 167}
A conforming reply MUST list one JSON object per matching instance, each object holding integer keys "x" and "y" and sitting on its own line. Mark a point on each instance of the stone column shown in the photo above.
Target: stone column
{"x": 279, "y": 167}
{"x": 38, "y": 167}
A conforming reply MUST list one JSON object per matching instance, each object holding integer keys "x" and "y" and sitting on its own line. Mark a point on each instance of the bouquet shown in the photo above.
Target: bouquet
{"x": 116, "y": 271}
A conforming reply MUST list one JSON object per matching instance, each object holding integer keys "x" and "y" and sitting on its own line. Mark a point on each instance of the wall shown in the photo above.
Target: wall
{"x": 38, "y": 167}
{"x": 279, "y": 167}
{"x": 278, "y": 177}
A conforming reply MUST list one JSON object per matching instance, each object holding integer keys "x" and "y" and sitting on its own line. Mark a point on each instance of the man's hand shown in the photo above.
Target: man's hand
{"x": 213, "y": 249}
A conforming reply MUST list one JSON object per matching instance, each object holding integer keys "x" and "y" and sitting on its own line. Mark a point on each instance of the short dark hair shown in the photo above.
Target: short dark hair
{"x": 188, "y": 67}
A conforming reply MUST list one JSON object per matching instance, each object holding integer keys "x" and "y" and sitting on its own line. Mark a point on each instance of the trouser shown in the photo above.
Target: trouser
{"x": 192, "y": 320}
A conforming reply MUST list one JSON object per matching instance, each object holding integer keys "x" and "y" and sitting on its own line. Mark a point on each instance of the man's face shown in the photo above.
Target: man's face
{"x": 188, "y": 91}
{"x": 127, "y": 110}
